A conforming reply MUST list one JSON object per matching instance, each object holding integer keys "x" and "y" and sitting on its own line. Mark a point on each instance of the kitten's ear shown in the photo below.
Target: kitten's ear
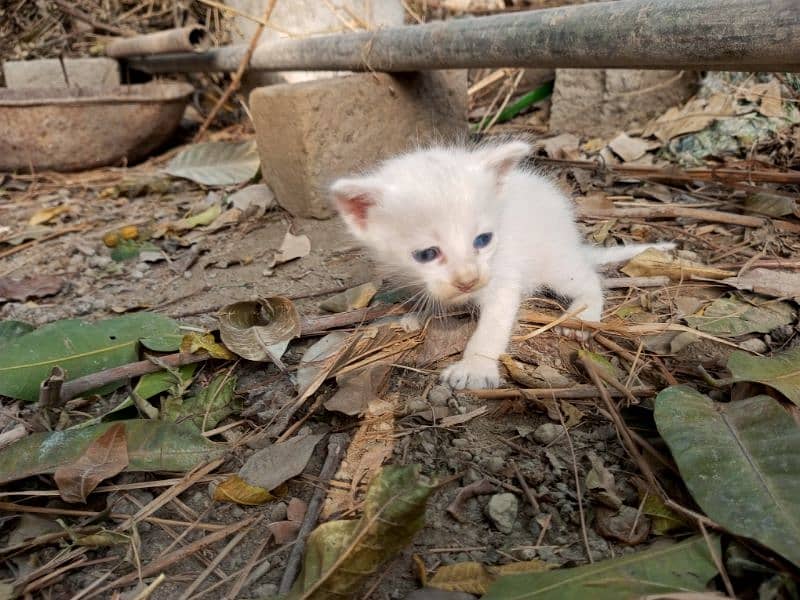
{"x": 354, "y": 198}
{"x": 502, "y": 159}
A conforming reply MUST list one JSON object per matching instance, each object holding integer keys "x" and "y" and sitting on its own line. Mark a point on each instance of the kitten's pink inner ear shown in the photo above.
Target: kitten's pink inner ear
{"x": 503, "y": 159}
{"x": 356, "y": 207}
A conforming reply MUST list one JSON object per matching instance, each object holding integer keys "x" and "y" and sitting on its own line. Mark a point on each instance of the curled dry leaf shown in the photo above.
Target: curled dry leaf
{"x": 655, "y": 262}
{"x": 600, "y": 484}
{"x": 193, "y": 342}
{"x": 259, "y": 330}
{"x": 105, "y": 457}
{"x": 237, "y": 490}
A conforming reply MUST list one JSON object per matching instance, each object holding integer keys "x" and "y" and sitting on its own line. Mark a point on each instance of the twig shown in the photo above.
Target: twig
{"x": 148, "y": 591}
{"x": 611, "y": 283}
{"x": 576, "y": 393}
{"x": 236, "y": 80}
{"x": 337, "y": 444}
{"x": 565, "y": 317}
{"x": 676, "y": 211}
{"x": 82, "y": 16}
{"x": 578, "y": 492}
{"x": 720, "y": 567}
{"x": 81, "y": 385}
{"x": 248, "y": 568}
{"x": 524, "y": 484}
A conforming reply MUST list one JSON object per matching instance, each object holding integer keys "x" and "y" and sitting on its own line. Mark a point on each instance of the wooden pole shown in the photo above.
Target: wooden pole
{"x": 742, "y": 35}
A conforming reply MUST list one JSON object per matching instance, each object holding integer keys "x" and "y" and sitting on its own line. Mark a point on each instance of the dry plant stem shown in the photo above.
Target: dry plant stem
{"x": 176, "y": 556}
{"x": 337, "y": 444}
{"x": 69, "y": 8}
{"x": 148, "y": 591}
{"x": 93, "y": 381}
{"x": 220, "y": 556}
{"x": 577, "y": 392}
{"x": 524, "y": 484}
{"x": 578, "y": 492}
{"x": 248, "y": 568}
{"x": 720, "y": 567}
{"x": 236, "y": 80}
{"x": 675, "y": 211}
{"x": 611, "y": 283}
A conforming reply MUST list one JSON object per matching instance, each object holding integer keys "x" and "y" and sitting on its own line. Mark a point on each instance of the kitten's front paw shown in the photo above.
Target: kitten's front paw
{"x": 474, "y": 372}
{"x": 410, "y": 322}
{"x": 573, "y": 334}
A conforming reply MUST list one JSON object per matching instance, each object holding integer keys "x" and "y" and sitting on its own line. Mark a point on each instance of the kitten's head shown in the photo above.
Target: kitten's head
{"x": 431, "y": 216}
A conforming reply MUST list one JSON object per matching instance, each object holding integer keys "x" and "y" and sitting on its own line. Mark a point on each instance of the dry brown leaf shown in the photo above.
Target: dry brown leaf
{"x": 655, "y": 262}
{"x": 600, "y": 484}
{"x": 277, "y": 463}
{"x": 292, "y": 247}
{"x": 627, "y": 526}
{"x": 778, "y": 284}
{"x": 471, "y": 577}
{"x": 358, "y": 388}
{"x": 37, "y": 286}
{"x": 443, "y": 338}
{"x": 357, "y": 297}
{"x": 564, "y": 145}
{"x": 296, "y": 509}
{"x": 693, "y": 116}
{"x": 771, "y": 100}
{"x": 237, "y": 490}
{"x": 103, "y": 458}
{"x": 630, "y": 149}
{"x": 284, "y": 531}
{"x": 524, "y": 566}
{"x": 43, "y": 215}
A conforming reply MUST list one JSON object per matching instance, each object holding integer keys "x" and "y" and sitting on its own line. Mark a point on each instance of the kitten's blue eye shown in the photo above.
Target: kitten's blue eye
{"x": 482, "y": 241}
{"x": 426, "y": 255}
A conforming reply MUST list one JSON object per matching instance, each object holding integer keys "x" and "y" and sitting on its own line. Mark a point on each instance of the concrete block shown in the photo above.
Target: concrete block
{"x": 602, "y": 103}
{"x": 313, "y": 132}
{"x": 305, "y": 18}
{"x": 46, "y": 72}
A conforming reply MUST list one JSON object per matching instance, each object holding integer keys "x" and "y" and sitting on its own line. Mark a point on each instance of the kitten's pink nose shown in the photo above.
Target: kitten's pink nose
{"x": 465, "y": 286}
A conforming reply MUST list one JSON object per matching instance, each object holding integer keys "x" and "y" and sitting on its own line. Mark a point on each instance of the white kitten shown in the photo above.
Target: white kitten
{"x": 471, "y": 226}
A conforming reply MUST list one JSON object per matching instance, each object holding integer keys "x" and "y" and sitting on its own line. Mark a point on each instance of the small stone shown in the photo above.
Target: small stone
{"x": 753, "y": 345}
{"x": 99, "y": 261}
{"x": 548, "y": 555}
{"x": 137, "y": 274}
{"x": 547, "y": 432}
{"x": 495, "y": 464}
{"x": 502, "y": 511}
{"x": 439, "y": 395}
{"x": 187, "y": 274}
{"x": 266, "y": 590}
{"x": 278, "y": 512}
{"x": 460, "y": 443}
{"x": 416, "y": 405}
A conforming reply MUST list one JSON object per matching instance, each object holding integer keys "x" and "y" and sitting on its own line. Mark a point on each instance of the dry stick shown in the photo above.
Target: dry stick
{"x": 217, "y": 559}
{"x": 236, "y": 80}
{"x": 176, "y": 556}
{"x": 577, "y": 392}
{"x": 627, "y": 440}
{"x": 68, "y": 8}
{"x": 720, "y": 567}
{"x": 337, "y": 444}
{"x": 578, "y": 492}
{"x": 247, "y": 569}
{"x": 675, "y": 211}
{"x": 45, "y": 238}
{"x": 147, "y": 592}
{"x": 524, "y": 484}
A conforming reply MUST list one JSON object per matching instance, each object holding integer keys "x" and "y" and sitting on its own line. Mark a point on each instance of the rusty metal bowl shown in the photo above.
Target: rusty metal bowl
{"x": 79, "y": 128}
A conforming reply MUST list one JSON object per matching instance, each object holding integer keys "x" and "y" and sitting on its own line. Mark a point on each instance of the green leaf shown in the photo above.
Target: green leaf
{"x": 216, "y": 163}
{"x": 76, "y": 346}
{"x": 152, "y": 446}
{"x": 13, "y": 329}
{"x": 731, "y": 317}
{"x": 211, "y": 404}
{"x": 675, "y": 568}
{"x": 342, "y": 554}
{"x": 740, "y": 461}
{"x": 781, "y": 371}
{"x": 153, "y": 384}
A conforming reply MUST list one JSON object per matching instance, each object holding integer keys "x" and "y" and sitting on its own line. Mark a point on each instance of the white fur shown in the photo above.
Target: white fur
{"x": 445, "y": 197}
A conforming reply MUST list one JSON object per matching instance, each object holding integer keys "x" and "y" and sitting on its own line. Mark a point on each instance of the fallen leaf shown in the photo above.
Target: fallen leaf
{"x": 259, "y": 330}
{"x": 600, "y": 484}
{"x": 103, "y": 539}
{"x": 36, "y": 286}
{"x": 771, "y": 100}
{"x": 236, "y": 490}
{"x": 296, "y": 509}
{"x": 11, "y": 329}
{"x": 655, "y": 262}
{"x": 693, "y": 116}
{"x": 43, "y": 215}
{"x": 275, "y": 464}
{"x": 358, "y": 388}
{"x": 317, "y": 361}
{"x": 292, "y": 247}
{"x": 678, "y": 567}
{"x": 443, "y": 338}
{"x": 193, "y": 342}
{"x": 663, "y": 519}
{"x": 340, "y": 555}
{"x": 771, "y": 204}
{"x": 105, "y": 457}
{"x": 625, "y": 525}
{"x": 768, "y": 282}
{"x": 207, "y": 407}
{"x": 152, "y": 446}
{"x": 216, "y": 163}
{"x": 253, "y": 200}
{"x": 205, "y": 217}
{"x": 284, "y": 532}
{"x": 781, "y": 372}
{"x": 229, "y": 217}
{"x": 564, "y": 145}
{"x": 731, "y": 317}
{"x": 357, "y": 297}
{"x": 630, "y": 149}
{"x": 471, "y": 577}
{"x": 740, "y": 461}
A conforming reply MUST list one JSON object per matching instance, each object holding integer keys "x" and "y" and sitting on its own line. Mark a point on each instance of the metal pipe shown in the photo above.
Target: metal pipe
{"x": 184, "y": 39}
{"x": 741, "y": 35}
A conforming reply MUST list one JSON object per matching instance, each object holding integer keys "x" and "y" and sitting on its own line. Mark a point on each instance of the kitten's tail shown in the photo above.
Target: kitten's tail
{"x": 614, "y": 254}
